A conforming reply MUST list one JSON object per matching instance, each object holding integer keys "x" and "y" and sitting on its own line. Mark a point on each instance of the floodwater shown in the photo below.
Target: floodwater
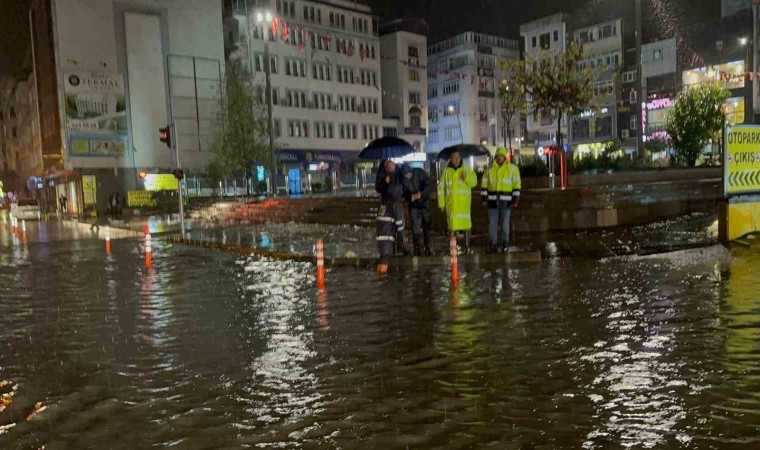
{"x": 209, "y": 350}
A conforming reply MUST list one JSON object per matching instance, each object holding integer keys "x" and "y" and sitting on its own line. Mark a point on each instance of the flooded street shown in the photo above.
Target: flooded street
{"x": 210, "y": 350}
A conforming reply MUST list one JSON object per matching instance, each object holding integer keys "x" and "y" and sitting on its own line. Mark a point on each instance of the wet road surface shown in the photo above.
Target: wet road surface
{"x": 207, "y": 350}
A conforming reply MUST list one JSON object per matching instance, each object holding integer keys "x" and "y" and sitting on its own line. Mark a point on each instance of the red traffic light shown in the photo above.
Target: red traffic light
{"x": 166, "y": 135}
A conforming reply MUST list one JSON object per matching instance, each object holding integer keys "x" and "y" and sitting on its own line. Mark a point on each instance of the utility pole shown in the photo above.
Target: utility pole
{"x": 639, "y": 88}
{"x": 179, "y": 180}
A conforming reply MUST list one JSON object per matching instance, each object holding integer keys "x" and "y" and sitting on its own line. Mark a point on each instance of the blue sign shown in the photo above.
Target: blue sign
{"x": 260, "y": 176}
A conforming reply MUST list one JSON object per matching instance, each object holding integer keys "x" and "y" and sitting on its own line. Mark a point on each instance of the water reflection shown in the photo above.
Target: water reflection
{"x": 204, "y": 350}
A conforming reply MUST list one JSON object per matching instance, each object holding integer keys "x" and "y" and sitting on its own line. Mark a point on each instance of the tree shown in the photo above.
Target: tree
{"x": 696, "y": 120}
{"x": 241, "y": 127}
{"x": 512, "y": 97}
{"x": 562, "y": 85}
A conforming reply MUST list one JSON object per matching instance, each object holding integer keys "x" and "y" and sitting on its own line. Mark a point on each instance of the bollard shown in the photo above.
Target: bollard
{"x": 148, "y": 251}
{"x": 320, "y": 264}
{"x": 108, "y": 240}
{"x": 454, "y": 261}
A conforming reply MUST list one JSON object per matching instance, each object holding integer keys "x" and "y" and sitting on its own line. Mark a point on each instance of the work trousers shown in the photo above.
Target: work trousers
{"x": 498, "y": 223}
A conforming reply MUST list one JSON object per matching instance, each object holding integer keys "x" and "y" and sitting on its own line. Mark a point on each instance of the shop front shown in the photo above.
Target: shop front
{"x": 63, "y": 193}
{"x": 316, "y": 170}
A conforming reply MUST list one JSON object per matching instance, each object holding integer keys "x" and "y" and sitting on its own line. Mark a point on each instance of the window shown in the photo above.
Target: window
{"x": 585, "y": 36}
{"x": 413, "y": 52}
{"x": 657, "y": 55}
{"x": 320, "y": 100}
{"x": 414, "y": 75}
{"x": 634, "y": 119}
{"x": 632, "y": 96}
{"x": 432, "y": 91}
{"x": 629, "y": 77}
{"x": 323, "y": 130}
{"x": 544, "y": 41}
{"x": 347, "y": 131}
{"x": 451, "y": 87}
{"x": 298, "y": 128}
{"x": 556, "y": 35}
{"x": 296, "y": 99}
{"x": 433, "y": 115}
{"x": 389, "y": 131}
{"x": 451, "y": 133}
{"x": 369, "y": 105}
{"x": 277, "y": 126}
{"x": 433, "y": 136}
{"x": 607, "y": 31}
{"x": 295, "y": 67}
{"x": 275, "y": 96}
{"x": 368, "y": 78}
{"x": 482, "y": 106}
{"x": 369, "y": 132}
{"x": 414, "y": 98}
{"x": 450, "y": 110}
{"x": 415, "y": 122}
{"x": 321, "y": 71}
{"x": 533, "y": 42}
{"x": 345, "y": 75}
{"x": 346, "y": 103}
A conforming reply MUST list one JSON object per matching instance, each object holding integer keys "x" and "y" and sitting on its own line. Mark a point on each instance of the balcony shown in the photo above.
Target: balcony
{"x": 486, "y": 93}
{"x": 486, "y": 71}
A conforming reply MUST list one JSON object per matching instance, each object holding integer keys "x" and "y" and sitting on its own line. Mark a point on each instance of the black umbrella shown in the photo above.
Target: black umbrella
{"x": 386, "y": 147}
{"x": 466, "y": 150}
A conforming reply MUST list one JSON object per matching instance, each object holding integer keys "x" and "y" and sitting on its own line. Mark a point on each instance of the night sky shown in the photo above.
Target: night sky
{"x": 445, "y": 17}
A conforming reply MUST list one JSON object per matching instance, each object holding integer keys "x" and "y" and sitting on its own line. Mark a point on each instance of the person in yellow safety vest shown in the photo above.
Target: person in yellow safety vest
{"x": 455, "y": 196}
{"x": 500, "y": 189}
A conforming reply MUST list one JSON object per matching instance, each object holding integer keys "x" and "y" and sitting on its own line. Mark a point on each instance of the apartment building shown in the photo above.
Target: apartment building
{"x": 325, "y": 76}
{"x": 463, "y": 76}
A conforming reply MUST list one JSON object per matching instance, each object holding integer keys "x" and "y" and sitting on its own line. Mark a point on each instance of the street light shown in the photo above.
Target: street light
{"x": 261, "y": 17}
{"x": 743, "y": 41}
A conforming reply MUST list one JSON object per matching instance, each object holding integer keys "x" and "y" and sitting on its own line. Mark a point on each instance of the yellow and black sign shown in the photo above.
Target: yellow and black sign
{"x": 136, "y": 199}
{"x": 742, "y": 160}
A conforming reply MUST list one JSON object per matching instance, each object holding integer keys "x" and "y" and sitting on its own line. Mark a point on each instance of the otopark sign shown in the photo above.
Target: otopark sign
{"x": 742, "y": 160}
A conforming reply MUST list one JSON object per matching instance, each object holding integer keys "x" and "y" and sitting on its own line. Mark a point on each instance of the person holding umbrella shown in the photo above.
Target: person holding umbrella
{"x": 455, "y": 196}
{"x": 390, "y": 216}
{"x": 500, "y": 189}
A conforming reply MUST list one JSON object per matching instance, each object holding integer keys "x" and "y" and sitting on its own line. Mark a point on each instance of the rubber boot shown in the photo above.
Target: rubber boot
{"x": 467, "y": 237}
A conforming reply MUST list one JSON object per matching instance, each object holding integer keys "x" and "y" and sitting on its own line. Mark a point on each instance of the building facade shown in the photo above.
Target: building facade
{"x": 403, "y": 45}
{"x": 325, "y": 78}
{"x": 603, "y": 51}
{"x": 110, "y": 74}
{"x": 544, "y": 38}
{"x": 463, "y": 79}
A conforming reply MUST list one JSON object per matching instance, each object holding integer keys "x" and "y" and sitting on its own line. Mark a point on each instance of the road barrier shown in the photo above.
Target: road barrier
{"x": 320, "y": 264}
{"x": 23, "y": 232}
{"x": 148, "y": 251}
{"x": 108, "y": 240}
{"x": 454, "y": 260}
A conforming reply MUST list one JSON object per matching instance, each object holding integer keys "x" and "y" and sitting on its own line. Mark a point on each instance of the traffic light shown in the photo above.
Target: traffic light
{"x": 166, "y": 136}
{"x": 179, "y": 174}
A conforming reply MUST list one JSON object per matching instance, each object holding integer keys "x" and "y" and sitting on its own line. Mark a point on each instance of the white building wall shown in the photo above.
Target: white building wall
{"x": 91, "y": 35}
{"x": 397, "y": 84}
{"x": 658, "y": 58}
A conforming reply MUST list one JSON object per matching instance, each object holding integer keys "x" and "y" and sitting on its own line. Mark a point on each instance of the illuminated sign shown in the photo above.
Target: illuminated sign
{"x": 160, "y": 182}
{"x": 411, "y": 157}
{"x": 659, "y": 103}
{"x": 742, "y": 160}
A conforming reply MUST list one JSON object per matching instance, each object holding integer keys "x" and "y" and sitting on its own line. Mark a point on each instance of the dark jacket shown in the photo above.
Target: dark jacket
{"x": 389, "y": 192}
{"x": 419, "y": 183}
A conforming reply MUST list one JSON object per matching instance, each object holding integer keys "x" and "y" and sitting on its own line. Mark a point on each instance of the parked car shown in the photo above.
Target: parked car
{"x": 28, "y": 210}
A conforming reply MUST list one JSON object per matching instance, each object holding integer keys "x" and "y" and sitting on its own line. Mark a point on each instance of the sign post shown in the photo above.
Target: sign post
{"x": 740, "y": 211}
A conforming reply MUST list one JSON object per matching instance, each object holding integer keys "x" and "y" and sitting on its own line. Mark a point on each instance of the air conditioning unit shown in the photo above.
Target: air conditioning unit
{"x": 626, "y": 134}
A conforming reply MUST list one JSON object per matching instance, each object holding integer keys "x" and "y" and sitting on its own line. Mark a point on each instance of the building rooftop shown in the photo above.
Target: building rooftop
{"x": 416, "y": 26}
{"x": 471, "y": 37}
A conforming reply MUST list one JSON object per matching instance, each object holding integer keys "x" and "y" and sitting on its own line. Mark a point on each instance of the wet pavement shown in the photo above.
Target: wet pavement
{"x": 208, "y": 350}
